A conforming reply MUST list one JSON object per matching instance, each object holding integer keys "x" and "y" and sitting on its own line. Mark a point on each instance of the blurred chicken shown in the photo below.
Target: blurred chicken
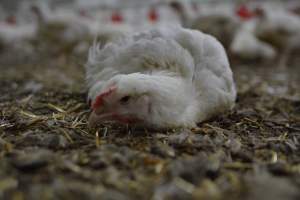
{"x": 186, "y": 12}
{"x": 162, "y": 78}
{"x": 247, "y": 46}
{"x": 281, "y": 29}
{"x": 70, "y": 25}
{"x": 221, "y": 25}
{"x": 13, "y": 34}
{"x": 108, "y": 26}
{"x": 74, "y": 30}
{"x": 60, "y": 27}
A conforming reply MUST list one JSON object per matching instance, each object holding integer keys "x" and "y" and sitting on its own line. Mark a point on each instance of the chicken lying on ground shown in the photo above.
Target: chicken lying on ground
{"x": 162, "y": 78}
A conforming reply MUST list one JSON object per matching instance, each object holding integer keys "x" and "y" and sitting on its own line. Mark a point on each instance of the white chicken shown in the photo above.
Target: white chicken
{"x": 221, "y": 26}
{"x": 16, "y": 35}
{"x": 60, "y": 24}
{"x": 163, "y": 78}
{"x": 281, "y": 29}
{"x": 185, "y": 11}
{"x": 12, "y": 33}
{"x": 14, "y": 29}
{"x": 246, "y": 45}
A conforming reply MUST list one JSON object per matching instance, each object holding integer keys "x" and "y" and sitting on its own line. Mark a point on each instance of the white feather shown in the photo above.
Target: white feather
{"x": 247, "y": 46}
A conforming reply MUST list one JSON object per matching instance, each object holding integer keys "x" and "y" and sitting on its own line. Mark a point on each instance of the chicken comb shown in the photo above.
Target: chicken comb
{"x": 244, "y": 12}
{"x": 99, "y": 99}
{"x": 116, "y": 17}
{"x": 153, "y": 15}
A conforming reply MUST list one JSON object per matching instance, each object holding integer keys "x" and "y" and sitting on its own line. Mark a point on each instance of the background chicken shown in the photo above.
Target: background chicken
{"x": 246, "y": 45}
{"x": 279, "y": 28}
{"x": 185, "y": 11}
{"x": 167, "y": 77}
{"x": 221, "y": 26}
{"x": 59, "y": 27}
{"x": 14, "y": 32}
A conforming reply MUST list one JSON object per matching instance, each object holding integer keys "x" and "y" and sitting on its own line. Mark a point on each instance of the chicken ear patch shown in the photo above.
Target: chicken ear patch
{"x": 99, "y": 99}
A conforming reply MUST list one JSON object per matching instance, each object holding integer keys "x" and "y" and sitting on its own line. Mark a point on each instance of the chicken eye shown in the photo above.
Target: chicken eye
{"x": 125, "y": 99}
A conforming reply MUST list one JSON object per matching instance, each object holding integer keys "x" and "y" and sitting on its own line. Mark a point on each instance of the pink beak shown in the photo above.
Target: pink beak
{"x": 96, "y": 118}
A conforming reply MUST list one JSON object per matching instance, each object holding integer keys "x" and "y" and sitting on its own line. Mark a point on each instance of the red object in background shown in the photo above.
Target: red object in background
{"x": 11, "y": 20}
{"x": 244, "y": 13}
{"x": 153, "y": 15}
{"x": 116, "y": 17}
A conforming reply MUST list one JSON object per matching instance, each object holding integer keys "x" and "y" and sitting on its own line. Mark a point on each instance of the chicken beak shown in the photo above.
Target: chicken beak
{"x": 95, "y": 118}
{"x": 98, "y": 116}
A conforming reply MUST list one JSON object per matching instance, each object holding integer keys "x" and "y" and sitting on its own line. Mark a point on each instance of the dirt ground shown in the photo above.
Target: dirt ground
{"x": 47, "y": 150}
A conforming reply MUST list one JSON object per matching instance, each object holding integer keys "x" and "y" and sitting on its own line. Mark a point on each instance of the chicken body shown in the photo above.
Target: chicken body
{"x": 164, "y": 78}
{"x": 281, "y": 29}
{"x": 220, "y": 25}
{"x": 10, "y": 34}
{"x": 247, "y": 46}
{"x": 60, "y": 25}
